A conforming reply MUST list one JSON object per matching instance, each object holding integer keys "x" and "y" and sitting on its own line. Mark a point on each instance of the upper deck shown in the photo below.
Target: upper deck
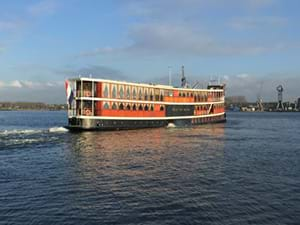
{"x": 103, "y": 97}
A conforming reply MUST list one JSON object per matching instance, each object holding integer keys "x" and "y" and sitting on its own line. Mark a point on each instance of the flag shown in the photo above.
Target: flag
{"x": 69, "y": 92}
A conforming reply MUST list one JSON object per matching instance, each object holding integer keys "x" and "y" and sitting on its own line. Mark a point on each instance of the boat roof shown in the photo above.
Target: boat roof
{"x": 141, "y": 84}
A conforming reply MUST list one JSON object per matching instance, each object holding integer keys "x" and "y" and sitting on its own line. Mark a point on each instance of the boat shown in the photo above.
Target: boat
{"x": 102, "y": 104}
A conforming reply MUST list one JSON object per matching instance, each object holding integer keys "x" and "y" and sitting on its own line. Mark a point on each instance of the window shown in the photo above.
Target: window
{"x": 161, "y": 108}
{"x": 128, "y": 93}
{"x": 114, "y": 106}
{"x": 105, "y": 105}
{"x": 106, "y": 91}
{"x": 134, "y": 93}
{"x": 128, "y": 107}
{"x": 140, "y": 107}
{"x": 121, "y": 106}
{"x": 146, "y": 95}
{"x": 121, "y": 92}
{"x": 152, "y": 108}
{"x": 140, "y": 94}
{"x": 114, "y": 92}
{"x": 151, "y": 95}
{"x": 146, "y": 108}
{"x": 134, "y": 107}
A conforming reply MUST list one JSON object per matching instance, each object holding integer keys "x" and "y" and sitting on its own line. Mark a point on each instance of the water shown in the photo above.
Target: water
{"x": 243, "y": 172}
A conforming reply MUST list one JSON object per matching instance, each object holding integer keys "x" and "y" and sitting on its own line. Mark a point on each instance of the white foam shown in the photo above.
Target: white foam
{"x": 28, "y": 131}
{"x": 171, "y": 125}
{"x": 58, "y": 130}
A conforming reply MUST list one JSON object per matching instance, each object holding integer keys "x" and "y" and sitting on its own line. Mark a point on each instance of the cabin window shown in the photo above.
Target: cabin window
{"x": 121, "y": 92}
{"x": 106, "y": 105}
{"x": 146, "y": 95}
{"x": 121, "y": 106}
{"x": 134, "y": 107}
{"x": 128, "y": 93}
{"x": 106, "y": 91}
{"x": 114, "y": 106}
{"x": 151, "y": 95}
{"x": 140, "y": 107}
{"x": 140, "y": 94}
{"x": 128, "y": 107}
{"x": 114, "y": 92}
{"x": 134, "y": 93}
{"x": 146, "y": 108}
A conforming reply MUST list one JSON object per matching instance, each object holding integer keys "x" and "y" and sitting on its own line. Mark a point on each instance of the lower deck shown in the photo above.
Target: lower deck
{"x": 98, "y": 123}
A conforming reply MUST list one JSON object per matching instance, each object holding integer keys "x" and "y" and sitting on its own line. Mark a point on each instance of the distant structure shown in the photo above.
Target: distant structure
{"x": 298, "y": 104}
{"x": 259, "y": 102}
{"x": 279, "y": 104}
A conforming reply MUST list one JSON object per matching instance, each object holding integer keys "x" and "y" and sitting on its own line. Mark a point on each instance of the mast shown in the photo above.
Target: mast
{"x": 183, "y": 79}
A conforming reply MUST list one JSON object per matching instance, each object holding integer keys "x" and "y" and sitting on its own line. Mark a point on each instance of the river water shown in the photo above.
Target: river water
{"x": 246, "y": 171}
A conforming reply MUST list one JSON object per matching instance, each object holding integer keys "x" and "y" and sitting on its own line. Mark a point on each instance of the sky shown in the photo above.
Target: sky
{"x": 251, "y": 45}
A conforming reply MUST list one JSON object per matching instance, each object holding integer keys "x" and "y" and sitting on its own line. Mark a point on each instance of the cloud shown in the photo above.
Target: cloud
{"x": 2, "y": 48}
{"x": 25, "y": 84}
{"x": 258, "y": 22}
{"x": 97, "y": 71}
{"x": 252, "y": 86}
{"x": 11, "y": 25}
{"x": 174, "y": 8}
{"x": 45, "y": 7}
{"x": 182, "y": 39}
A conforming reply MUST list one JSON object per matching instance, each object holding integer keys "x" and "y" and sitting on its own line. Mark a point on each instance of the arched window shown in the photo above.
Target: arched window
{"x": 114, "y": 106}
{"x": 134, "y": 93}
{"x": 161, "y": 108}
{"x": 106, "y": 91}
{"x": 140, "y": 107}
{"x": 114, "y": 92}
{"x": 134, "y": 107}
{"x": 128, "y": 93}
{"x": 151, "y": 95}
{"x": 105, "y": 105}
{"x": 183, "y": 94}
{"x": 121, "y": 106}
{"x": 146, "y": 107}
{"x": 121, "y": 92}
{"x": 128, "y": 107}
{"x": 180, "y": 94}
{"x": 140, "y": 94}
{"x": 152, "y": 108}
{"x": 146, "y": 95}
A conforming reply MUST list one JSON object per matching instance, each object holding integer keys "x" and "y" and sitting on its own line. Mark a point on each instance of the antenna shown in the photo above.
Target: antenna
{"x": 183, "y": 79}
{"x": 170, "y": 75}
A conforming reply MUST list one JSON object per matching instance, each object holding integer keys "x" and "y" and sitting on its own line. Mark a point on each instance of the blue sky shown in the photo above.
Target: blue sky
{"x": 248, "y": 44}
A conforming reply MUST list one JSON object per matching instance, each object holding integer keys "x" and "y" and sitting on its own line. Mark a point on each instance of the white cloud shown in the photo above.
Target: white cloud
{"x": 242, "y": 75}
{"x": 11, "y": 25}
{"x": 182, "y": 39}
{"x": 15, "y": 84}
{"x": 258, "y": 22}
{"x": 43, "y": 7}
{"x": 25, "y": 84}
